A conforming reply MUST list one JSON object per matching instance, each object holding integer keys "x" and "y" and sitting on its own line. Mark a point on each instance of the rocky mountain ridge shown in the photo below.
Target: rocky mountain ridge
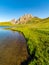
{"x": 22, "y": 19}
{"x": 28, "y": 18}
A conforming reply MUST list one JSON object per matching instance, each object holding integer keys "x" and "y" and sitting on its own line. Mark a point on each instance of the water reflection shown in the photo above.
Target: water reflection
{"x": 13, "y": 48}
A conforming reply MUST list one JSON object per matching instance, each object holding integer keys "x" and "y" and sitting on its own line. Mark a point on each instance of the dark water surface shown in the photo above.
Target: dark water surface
{"x": 13, "y": 48}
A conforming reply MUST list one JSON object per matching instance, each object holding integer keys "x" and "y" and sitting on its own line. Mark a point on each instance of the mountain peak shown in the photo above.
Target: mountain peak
{"x": 23, "y": 19}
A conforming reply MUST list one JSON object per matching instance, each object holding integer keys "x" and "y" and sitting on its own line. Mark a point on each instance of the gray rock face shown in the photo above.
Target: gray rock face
{"x": 22, "y": 20}
{"x": 13, "y": 21}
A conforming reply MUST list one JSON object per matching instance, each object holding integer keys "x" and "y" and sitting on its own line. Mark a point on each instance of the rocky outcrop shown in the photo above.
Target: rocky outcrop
{"x": 22, "y": 20}
{"x": 13, "y": 21}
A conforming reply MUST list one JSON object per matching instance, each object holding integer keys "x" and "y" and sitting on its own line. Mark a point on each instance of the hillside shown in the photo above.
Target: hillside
{"x": 5, "y": 24}
{"x": 28, "y": 20}
{"x": 35, "y": 22}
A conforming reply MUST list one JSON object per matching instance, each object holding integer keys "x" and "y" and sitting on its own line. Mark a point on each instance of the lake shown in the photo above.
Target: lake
{"x": 13, "y": 47}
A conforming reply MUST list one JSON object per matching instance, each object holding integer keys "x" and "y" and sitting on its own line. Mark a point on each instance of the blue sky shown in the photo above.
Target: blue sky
{"x": 10, "y": 9}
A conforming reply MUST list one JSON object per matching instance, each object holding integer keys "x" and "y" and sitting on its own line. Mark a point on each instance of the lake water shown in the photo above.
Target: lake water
{"x": 13, "y": 48}
{"x": 5, "y": 27}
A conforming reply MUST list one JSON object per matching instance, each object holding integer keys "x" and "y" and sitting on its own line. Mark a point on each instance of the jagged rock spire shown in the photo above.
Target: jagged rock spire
{"x": 22, "y": 19}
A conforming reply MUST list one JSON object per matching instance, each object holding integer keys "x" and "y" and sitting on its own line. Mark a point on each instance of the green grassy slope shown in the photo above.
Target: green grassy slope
{"x": 5, "y": 24}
